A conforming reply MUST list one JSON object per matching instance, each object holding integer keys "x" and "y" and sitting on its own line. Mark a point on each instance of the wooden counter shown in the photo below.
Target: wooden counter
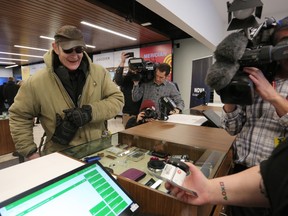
{"x": 204, "y": 146}
{"x": 176, "y": 138}
{"x": 196, "y": 136}
{"x": 6, "y": 142}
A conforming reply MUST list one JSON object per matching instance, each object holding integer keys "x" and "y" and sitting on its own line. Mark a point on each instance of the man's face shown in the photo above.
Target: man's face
{"x": 69, "y": 60}
{"x": 159, "y": 77}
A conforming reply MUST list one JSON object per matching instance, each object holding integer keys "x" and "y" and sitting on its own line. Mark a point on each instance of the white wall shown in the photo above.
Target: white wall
{"x": 189, "y": 50}
{"x": 198, "y": 18}
{"x": 6, "y": 72}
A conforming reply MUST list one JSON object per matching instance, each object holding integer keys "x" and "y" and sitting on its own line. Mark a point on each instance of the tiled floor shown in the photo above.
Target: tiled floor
{"x": 114, "y": 125}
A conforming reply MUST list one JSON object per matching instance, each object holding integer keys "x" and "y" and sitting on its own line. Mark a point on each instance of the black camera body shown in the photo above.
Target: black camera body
{"x": 166, "y": 105}
{"x": 144, "y": 69}
{"x": 259, "y": 53}
{"x": 149, "y": 114}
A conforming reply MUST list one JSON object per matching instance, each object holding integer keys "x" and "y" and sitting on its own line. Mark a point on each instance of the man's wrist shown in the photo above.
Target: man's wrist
{"x": 136, "y": 83}
{"x": 33, "y": 151}
{"x": 119, "y": 70}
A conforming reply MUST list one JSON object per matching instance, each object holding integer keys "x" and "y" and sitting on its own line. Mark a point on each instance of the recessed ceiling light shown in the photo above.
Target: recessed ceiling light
{"x": 90, "y": 46}
{"x": 11, "y": 66}
{"x": 45, "y": 37}
{"x": 12, "y": 59}
{"x": 3, "y": 62}
{"x": 19, "y": 54}
{"x": 32, "y": 48}
{"x": 146, "y": 24}
{"x": 107, "y": 30}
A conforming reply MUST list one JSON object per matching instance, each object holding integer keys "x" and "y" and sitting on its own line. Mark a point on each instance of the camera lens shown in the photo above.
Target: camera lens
{"x": 150, "y": 113}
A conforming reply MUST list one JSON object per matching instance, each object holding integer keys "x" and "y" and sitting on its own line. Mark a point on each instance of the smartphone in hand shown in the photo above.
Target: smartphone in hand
{"x": 129, "y": 54}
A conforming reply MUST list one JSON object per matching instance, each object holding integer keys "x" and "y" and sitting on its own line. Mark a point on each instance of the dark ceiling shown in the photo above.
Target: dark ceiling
{"x": 22, "y": 22}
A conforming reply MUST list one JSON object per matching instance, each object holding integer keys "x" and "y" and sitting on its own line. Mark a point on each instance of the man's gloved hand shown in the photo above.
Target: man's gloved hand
{"x": 64, "y": 132}
{"x": 79, "y": 116}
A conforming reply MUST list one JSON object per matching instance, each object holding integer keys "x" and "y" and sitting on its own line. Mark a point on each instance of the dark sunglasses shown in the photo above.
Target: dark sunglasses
{"x": 78, "y": 50}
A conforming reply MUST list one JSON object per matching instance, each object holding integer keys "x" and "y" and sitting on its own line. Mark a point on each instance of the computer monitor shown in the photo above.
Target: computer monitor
{"x": 87, "y": 190}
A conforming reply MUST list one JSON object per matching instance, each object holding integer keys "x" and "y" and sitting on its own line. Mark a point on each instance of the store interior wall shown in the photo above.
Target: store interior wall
{"x": 184, "y": 52}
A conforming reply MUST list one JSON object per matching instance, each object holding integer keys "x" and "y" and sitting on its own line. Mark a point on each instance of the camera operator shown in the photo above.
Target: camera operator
{"x": 125, "y": 82}
{"x": 157, "y": 88}
{"x": 147, "y": 114}
{"x": 259, "y": 127}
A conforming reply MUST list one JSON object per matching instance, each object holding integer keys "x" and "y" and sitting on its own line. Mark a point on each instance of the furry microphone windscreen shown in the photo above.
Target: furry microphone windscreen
{"x": 227, "y": 54}
{"x": 231, "y": 48}
{"x": 221, "y": 74}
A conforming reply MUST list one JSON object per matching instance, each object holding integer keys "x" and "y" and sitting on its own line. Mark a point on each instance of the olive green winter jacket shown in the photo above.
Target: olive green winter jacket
{"x": 43, "y": 94}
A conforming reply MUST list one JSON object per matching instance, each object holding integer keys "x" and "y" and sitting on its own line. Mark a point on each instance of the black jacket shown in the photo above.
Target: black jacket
{"x": 9, "y": 92}
{"x": 126, "y": 84}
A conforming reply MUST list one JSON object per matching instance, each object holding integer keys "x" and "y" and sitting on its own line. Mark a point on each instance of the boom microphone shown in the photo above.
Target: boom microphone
{"x": 227, "y": 54}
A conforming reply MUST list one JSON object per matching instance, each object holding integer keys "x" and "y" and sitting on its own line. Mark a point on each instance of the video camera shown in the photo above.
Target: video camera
{"x": 166, "y": 105}
{"x": 259, "y": 53}
{"x": 145, "y": 69}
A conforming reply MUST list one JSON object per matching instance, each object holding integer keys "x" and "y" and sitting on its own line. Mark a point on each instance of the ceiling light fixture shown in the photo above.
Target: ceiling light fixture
{"x": 146, "y": 24}
{"x": 12, "y": 59}
{"x": 107, "y": 30}
{"x": 90, "y": 46}
{"x": 18, "y": 54}
{"x": 9, "y": 63}
{"x": 11, "y": 66}
{"x": 45, "y": 37}
{"x": 32, "y": 48}
{"x": 243, "y": 10}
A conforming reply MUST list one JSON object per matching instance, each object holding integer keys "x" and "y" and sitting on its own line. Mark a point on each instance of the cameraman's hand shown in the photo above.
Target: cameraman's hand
{"x": 136, "y": 82}
{"x": 140, "y": 117}
{"x": 175, "y": 111}
{"x": 123, "y": 57}
{"x": 79, "y": 116}
{"x": 267, "y": 91}
{"x": 149, "y": 119}
{"x": 64, "y": 131}
{"x": 262, "y": 86}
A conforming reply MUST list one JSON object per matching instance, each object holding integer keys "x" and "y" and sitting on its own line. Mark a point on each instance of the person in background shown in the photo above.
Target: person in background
{"x": 157, "y": 88}
{"x": 147, "y": 107}
{"x": 125, "y": 82}
{"x": 2, "y": 100}
{"x": 10, "y": 90}
{"x": 264, "y": 185}
{"x": 259, "y": 127}
{"x": 72, "y": 96}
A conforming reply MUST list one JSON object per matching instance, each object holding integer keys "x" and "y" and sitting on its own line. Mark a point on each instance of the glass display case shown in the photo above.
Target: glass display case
{"x": 117, "y": 154}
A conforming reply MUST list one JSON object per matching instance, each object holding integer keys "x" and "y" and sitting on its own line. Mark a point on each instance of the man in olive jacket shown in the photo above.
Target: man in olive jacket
{"x": 72, "y": 96}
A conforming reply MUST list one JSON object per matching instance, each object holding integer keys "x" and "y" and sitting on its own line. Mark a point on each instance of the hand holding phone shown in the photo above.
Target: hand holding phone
{"x": 129, "y": 54}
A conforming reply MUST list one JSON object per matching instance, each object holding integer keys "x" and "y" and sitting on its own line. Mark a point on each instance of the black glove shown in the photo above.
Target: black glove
{"x": 64, "y": 132}
{"x": 79, "y": 116}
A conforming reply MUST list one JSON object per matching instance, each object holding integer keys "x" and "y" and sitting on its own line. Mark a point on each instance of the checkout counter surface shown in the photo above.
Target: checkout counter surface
{"x": 208, "y": 148}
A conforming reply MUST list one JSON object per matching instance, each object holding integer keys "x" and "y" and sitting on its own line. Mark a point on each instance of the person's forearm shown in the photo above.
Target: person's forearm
{"x": 241, "y": 189}
{"x": 280, "y": 104}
